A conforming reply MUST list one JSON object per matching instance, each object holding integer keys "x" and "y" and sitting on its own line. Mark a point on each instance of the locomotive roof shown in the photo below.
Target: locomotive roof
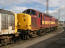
{"x": 41, "y": 12}
{"x": 32, "y": 9}
{"x": 6, "y": 12}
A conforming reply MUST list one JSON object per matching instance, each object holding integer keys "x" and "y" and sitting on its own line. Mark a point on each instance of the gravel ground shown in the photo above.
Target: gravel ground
{"x": 54, "y": 42}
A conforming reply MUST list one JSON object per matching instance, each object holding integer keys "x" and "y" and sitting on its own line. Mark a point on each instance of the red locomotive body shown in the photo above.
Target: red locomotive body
{"x": 41, "y": 22}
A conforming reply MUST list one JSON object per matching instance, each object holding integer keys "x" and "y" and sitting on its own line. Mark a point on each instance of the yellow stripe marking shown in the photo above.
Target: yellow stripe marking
{"x": 48, "y": 22}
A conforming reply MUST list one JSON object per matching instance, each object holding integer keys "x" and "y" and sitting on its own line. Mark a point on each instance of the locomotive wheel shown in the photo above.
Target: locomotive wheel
{"x": 41, "y": 32}
{"x": 25, "y": 35}
{"x": 35, "y": 34}
{"x": 38, "y": 32}
{"x": 32, "y": 34}
{"x": 5, "y": 41}
{"x": 2, "y": 42}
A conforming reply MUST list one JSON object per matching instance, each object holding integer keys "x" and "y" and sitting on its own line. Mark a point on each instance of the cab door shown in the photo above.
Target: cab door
{"x": 40, "y": 16}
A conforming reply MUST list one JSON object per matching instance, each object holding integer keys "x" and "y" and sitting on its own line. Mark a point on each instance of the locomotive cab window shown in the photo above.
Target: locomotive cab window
{"x": 39, "y": 15}
{"x": 27, "y": 12}
{"x": 31, "y": 12}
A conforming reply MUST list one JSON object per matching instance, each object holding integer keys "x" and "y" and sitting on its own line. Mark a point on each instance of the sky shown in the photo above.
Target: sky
{"x": 40, "y": 5}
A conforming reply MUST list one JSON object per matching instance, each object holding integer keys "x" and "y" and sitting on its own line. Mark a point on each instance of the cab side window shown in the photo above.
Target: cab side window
{"x": 32, "y": 12}
{"x": 39, "y": 15}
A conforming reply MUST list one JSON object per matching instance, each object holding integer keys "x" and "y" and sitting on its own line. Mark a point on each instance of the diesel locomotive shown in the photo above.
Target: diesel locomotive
{"x": 32, "y": 22}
